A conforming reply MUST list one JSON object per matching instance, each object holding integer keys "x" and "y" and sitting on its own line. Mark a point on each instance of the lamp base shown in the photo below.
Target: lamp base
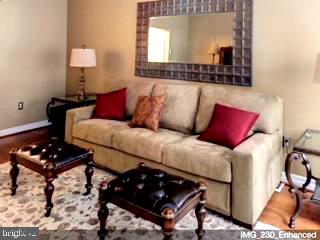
{"x": 81, "y": 95}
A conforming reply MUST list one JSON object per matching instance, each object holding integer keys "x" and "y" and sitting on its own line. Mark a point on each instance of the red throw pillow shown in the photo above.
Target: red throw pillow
{"x": 228, "y": 126}
{"x": 111, "y": 105}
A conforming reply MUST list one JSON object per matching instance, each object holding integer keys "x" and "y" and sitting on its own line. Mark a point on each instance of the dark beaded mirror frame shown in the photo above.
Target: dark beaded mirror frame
{"x": 239, "y": 73}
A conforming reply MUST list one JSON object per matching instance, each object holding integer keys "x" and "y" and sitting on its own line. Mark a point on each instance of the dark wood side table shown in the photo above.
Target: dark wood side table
{"x": 308, "y": 144}
{"x": 58, "y": 107}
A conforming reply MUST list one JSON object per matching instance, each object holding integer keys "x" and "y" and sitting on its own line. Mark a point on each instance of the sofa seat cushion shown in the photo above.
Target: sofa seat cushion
{"x": 145, "y": 143}
{"x": 199, "y": 158}
{"x": 99, "y": 131}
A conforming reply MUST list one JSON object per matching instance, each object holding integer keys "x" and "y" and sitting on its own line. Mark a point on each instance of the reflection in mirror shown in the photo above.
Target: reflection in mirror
{"x": 198, "y": 39}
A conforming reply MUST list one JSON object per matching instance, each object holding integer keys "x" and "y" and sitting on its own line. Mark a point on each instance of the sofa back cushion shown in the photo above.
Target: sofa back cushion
{"x": 181, "y": 106}
{"x": 269, "y": 107}
{"x": 135, "y": 88}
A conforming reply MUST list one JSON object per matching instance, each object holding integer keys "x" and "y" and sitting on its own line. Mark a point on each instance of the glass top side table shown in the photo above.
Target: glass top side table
{"x": 309, "y": 143}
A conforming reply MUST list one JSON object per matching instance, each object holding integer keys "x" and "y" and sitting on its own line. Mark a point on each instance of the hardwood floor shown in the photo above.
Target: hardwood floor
{"x": 277, "y": 212}
{"x": 18, "y": 140}
{"x": 282, "y": 206}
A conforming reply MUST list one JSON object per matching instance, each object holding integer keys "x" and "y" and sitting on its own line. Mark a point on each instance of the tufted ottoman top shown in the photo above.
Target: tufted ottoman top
{"x": 59, "y": 152}
{"x": 153, "y": 189}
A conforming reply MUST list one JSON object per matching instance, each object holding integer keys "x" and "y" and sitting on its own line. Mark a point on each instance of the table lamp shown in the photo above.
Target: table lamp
{"x": 213, "y": 49}
{"x": 83, "y": 58}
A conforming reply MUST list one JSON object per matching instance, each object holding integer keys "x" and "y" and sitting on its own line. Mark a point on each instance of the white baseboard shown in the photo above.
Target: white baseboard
{"x": 280, "y": 187}
{"x": 299, "y": 180}
{"x": 23, "y": 128}
{"x": 263, "y": 226}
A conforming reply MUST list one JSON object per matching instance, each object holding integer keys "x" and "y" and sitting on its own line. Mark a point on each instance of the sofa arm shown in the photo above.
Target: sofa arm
{"x": 74, "y": 116}
{"x": 256, "y": 172}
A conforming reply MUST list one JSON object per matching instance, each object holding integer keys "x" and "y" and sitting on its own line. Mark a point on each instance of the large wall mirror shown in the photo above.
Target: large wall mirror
{"x": 195, "y": 40}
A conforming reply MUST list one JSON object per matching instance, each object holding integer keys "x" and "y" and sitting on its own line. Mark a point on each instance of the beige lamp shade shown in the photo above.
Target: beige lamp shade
{"x": 317, "y": 72}
{"x": 83, "y": 58}
{"x": 213, "y": 48}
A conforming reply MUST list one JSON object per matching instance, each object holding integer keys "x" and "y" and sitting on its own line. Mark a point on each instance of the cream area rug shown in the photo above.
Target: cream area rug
{"x": 72, "y": 210}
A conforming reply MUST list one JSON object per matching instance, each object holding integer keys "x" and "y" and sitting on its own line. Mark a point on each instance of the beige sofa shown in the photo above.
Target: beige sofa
{"x": 240, "y": 181}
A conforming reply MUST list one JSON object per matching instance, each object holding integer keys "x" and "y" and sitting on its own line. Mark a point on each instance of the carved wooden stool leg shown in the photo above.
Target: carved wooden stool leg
{"x": 103, "y": 212}
{"x": 168, "y": 224}
{"x": 200, "y": 210}
{"x": 14, "y": 172}
{"x": 89, "y": 172}
{"x": 49, "y": 189}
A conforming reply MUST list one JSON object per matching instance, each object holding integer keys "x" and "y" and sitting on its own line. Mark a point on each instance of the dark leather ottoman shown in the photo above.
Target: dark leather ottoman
{"x": 155, "y": 196}
{"x": 50, "y": 159}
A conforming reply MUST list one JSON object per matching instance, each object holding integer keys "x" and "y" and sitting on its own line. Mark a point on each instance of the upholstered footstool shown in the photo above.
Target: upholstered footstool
{"x": 155, "y": 196}
{"x": 49, "y": 159}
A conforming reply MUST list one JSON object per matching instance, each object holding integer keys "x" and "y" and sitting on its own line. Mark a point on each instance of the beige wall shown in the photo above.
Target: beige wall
{"x": 32, "y": 58}
{"x": 286, "y": 43}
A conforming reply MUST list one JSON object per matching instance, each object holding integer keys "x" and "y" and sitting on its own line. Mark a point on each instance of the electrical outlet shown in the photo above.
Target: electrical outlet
{"x": 20, "y": 106}
{"x": 287, "y": 141}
